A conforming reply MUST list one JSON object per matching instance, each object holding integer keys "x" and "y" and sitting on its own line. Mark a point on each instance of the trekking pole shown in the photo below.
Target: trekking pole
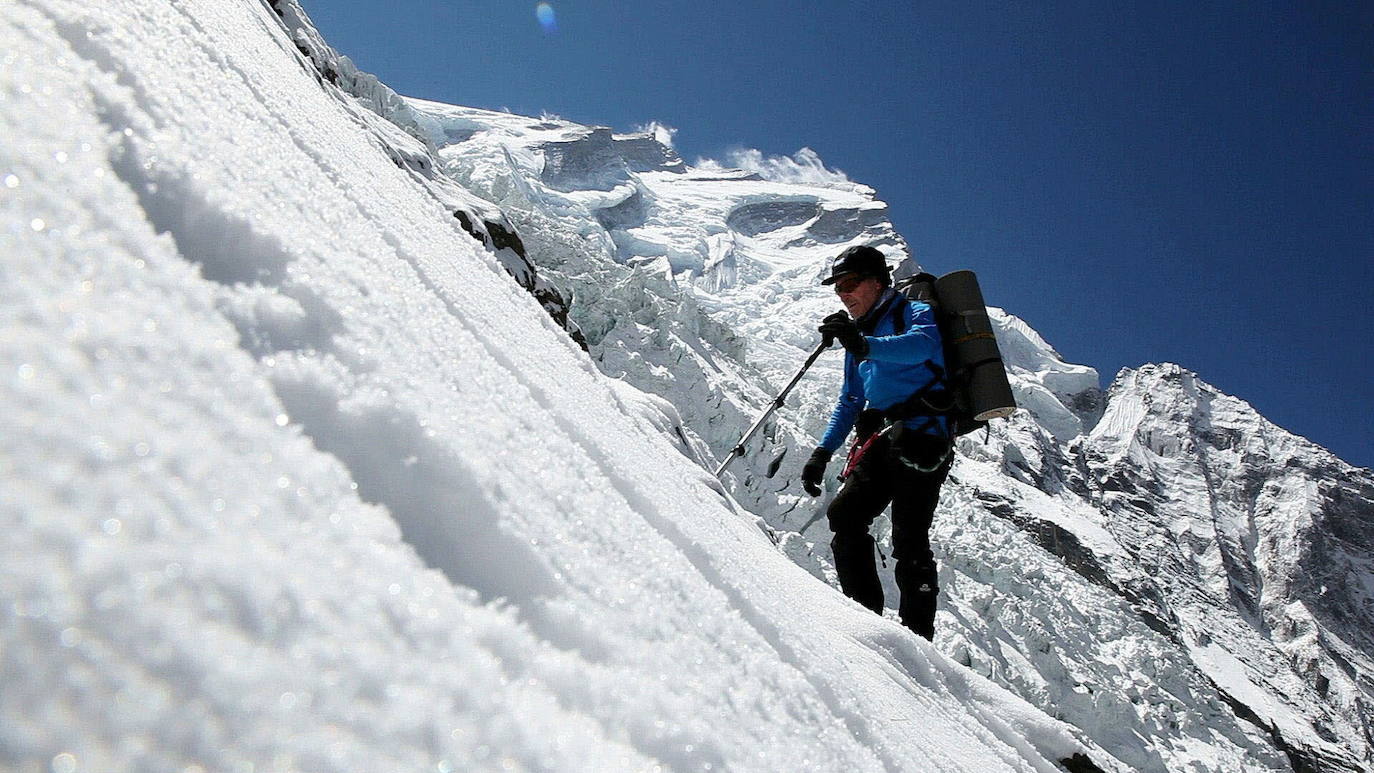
{"x": 738, "y": 450}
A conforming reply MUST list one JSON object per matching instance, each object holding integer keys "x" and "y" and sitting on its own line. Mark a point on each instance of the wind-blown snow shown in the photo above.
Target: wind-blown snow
{"x": 662, "y": 133}
{"x": 805, "y": 166}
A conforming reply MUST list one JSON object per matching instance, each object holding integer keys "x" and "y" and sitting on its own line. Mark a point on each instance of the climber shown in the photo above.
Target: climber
{"x": 892, "y": 396}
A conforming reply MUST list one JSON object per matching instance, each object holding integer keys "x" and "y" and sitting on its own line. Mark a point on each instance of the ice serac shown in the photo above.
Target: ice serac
{"x": 664, "y": 260}
{"x": 1064, "y": 398}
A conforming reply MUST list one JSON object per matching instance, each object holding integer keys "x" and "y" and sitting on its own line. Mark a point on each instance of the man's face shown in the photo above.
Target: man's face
{"x": 858, "y": 293}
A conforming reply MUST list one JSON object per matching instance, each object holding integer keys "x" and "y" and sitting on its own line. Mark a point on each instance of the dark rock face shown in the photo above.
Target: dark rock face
{"x": 465, "y": 220}
{"x": 1080, "y": 763}
{"x": 502, "y": 239}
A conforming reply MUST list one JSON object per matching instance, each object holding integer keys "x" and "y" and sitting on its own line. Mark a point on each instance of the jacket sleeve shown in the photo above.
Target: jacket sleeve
{"x": 847, "y": 408}
{"x": 919, "y": 343}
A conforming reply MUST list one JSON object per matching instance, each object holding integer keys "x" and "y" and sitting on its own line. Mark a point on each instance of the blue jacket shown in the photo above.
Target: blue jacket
{"x": 894, "y": 370}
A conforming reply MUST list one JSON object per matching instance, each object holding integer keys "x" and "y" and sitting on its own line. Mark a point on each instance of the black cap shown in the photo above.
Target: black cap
{"x": 861, "y": 259}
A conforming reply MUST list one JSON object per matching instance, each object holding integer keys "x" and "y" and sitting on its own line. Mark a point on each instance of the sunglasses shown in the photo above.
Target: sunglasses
{"x": 846, "y": 286}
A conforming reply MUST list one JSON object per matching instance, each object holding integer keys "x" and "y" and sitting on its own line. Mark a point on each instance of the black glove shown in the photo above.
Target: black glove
{"x": 814, "y": 471}
{"x": 839, "y": 327}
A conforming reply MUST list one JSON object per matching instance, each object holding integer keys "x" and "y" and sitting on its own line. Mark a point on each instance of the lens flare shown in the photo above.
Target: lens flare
{"x": 544, "y": 13}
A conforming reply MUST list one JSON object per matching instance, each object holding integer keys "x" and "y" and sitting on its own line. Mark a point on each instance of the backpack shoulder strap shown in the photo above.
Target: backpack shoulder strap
{"x": 899, "y": 314}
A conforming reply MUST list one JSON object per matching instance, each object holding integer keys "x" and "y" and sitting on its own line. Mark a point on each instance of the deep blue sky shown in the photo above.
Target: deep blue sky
{"x": 1141, "y": 182}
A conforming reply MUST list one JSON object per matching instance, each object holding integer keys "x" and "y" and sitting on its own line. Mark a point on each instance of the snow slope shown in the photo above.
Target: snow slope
{"x": 300, "y": 475}
{"x": 1064, "y": 575}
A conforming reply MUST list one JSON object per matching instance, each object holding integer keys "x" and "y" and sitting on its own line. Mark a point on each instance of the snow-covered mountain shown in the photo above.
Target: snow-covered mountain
{"x": 354, "y": 432}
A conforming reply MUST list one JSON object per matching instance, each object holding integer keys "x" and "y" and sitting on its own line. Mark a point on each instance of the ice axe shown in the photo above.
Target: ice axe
{"x": 738, "y": 450}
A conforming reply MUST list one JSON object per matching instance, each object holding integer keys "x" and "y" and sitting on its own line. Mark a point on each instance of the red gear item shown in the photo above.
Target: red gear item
{"x": 857, "y": 451}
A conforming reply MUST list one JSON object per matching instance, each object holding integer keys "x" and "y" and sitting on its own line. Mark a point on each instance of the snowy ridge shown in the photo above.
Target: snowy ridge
{"x": 1236, "y": 551}
{"x": 1275, "y": 531}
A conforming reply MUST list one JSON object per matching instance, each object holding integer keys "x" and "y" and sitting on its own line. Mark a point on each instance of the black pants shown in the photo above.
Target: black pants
{"x": 882, "y": 477}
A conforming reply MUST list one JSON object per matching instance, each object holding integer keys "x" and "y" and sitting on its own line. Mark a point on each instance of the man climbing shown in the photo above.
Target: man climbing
{"x": 892, "y": 396}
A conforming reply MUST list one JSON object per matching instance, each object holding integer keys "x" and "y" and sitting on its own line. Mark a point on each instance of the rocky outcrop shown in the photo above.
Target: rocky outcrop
{"x": 400, "y": 132}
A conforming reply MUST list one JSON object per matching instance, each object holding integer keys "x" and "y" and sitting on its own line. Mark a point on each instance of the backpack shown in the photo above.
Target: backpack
{"x": 975, "y": 376}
